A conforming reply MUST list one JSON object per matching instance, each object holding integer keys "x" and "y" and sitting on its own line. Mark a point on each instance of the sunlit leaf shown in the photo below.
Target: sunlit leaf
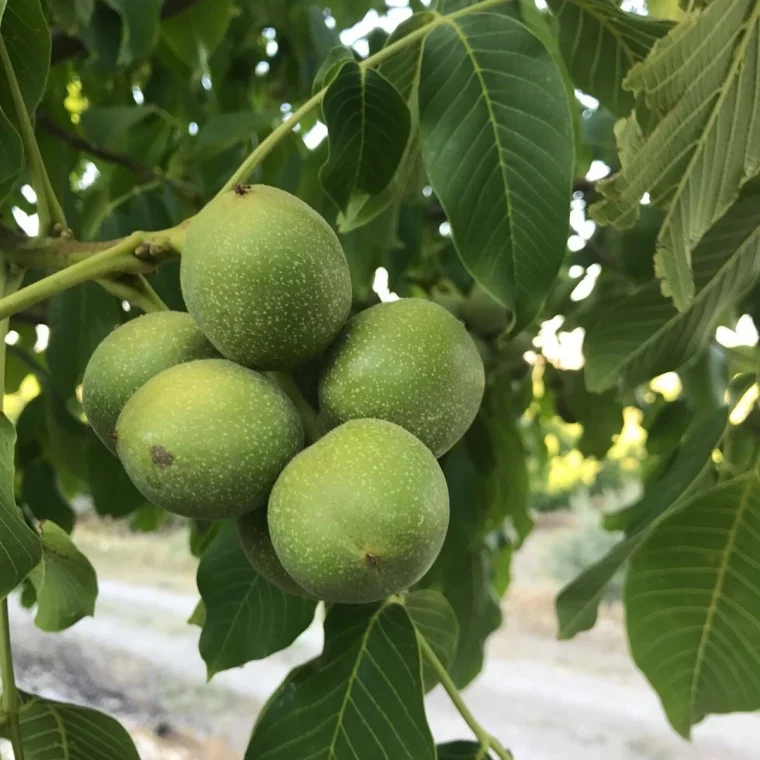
{"x": 701, "y": 79}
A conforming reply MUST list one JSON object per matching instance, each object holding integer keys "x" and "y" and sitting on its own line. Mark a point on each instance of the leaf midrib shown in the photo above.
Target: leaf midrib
{"x": 352, "y": 677}
{"x": 449, "y": 20}
{"x": 717, "y": 594}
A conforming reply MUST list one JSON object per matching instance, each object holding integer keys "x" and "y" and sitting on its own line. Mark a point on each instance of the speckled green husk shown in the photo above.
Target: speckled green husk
{"x": 257, "y": 545}
{"x": 361, "y": 514}
{"x": 129, "y": 357}
{"x": 409, "y": 362}
{"x": 265, "y": 277}
{"x": 207, "y": 439}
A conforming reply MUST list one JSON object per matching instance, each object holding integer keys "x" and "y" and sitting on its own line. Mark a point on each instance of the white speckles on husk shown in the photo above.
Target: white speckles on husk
{"x": 265, "y": 277}
{"x": 257, "y": 545}
{"x": 410, "y": 362}
{"x": 207, "y": 439}
{"x": 129, "y": 357}
{"x": 361, "y": 514}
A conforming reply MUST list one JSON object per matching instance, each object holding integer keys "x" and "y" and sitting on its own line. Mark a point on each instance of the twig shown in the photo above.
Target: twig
{"x": 51, "y": 126}
{"x": 486, "y": 740}
{"x": 137, "y": 290}
{"x": 48, "y": 208}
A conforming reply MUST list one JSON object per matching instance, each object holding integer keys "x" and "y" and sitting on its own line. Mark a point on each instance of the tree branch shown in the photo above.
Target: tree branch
{"x": 51, "y": 126}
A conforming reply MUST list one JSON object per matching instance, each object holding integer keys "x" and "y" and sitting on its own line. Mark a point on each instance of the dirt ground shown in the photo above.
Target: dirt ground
{"x": 547, "y": 700}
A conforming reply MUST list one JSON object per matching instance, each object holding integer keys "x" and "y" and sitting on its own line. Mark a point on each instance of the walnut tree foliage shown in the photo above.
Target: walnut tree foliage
{"x": 454, "y": 148}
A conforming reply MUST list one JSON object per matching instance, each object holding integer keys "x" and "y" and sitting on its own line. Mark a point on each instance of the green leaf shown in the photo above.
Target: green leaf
{"x": 54, "y": 730}
{"x": 600, "y": 43}
{"x": 692, "y": 601}
{"x": 330, "y": 67}
{"x": 41, "y": 494}
{"x": 139, "y": 30}
{"x": 71, "y": 15}
{"x": 247, "y": 618}
{"x": 462, "y": 751}
{"x": 402, "y": 70}
{"x": 65, "y": 582}
{"x": 20, "y": 547}
{"x": 578, "y": 602}
{"x": 11, "y": 156}
{"x": 113, "y": 493}
{"x": 79, "y": 319}
{"x": 498, "y": 148}
{"x": 600, "y": 414}
{"x": 435, "y": 619}
{"x": 198, "y": 616}
{"x": 469, "y": 589}
{"x": 368, "y": 125}
{"x": 195, "y": 33}
{"x": 701, "y": 80}
{"x": 503, "y": 463}
{"x": 362, "y": 697}
{"x": 643, "y": 335}
{"x": 27, "y": 40}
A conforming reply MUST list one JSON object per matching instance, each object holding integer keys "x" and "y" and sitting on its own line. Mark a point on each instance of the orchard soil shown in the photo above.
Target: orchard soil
{"x": 545, "y": 699}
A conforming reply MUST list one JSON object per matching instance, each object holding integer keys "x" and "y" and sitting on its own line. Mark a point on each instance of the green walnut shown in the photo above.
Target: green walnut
{"x": 361, "y": 514}
{"x": 207, "y": 439}
{"x": 257, "y": 545}
{"x": 409, "y": 362}
{"x": 129, "y": 357}
{"x": 265, "y": 278}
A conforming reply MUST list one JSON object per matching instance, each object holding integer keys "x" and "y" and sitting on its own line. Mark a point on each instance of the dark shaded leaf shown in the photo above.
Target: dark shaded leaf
{"x": 41, "y": 494}
{"x": 499, "y": 156}
{"x": 368, "y": 124}
{"x": 20, "y": 545}
{"x": 578, "y": 602}
{"x": 79, "y": 319}
{"x": 139, "y": 30}
{"x": 194, "y": 34}
{"x": 617, "y": 39}
{"x": 113, "y": 493}
{"x": 247, "y": 617}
